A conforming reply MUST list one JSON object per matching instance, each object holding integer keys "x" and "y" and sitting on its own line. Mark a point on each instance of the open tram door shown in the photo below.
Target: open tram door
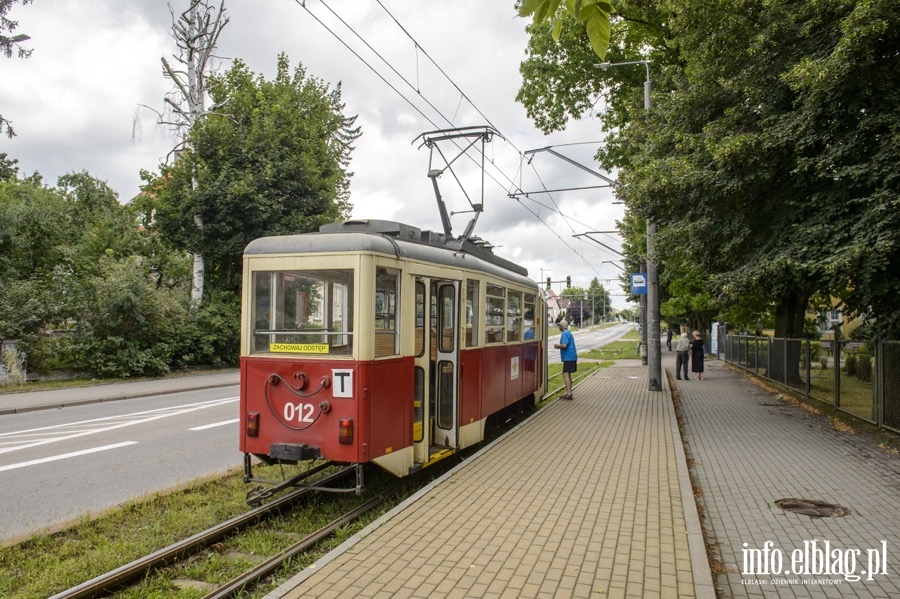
{"x": 436, "y": 397}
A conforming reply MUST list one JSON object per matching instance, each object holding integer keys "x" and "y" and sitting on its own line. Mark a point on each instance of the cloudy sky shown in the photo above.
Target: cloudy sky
{"x": 76, "y": 105}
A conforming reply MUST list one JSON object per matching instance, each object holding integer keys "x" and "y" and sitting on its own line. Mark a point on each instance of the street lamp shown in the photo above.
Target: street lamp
{"x": 647, "y": 87}
{"x": 654, "y": 359}
{"x": 15, "y": 39}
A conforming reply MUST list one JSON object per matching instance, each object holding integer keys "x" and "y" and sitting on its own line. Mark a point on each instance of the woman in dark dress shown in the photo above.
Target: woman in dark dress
{"x": 697, "y": 352}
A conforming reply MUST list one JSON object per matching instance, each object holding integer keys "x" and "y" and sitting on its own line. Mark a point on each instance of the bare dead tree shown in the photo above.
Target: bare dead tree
{"x": 196, "y": 32}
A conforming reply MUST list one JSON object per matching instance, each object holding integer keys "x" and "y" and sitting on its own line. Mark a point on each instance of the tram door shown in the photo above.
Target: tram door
{"x": 436, "y": 367}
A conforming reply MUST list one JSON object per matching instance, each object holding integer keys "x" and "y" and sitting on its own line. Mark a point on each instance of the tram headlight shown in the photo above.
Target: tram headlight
{"x": 345, "y": 431}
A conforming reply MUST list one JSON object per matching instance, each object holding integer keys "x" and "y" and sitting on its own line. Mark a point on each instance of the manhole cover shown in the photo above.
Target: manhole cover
{"x": 813, "y": 508}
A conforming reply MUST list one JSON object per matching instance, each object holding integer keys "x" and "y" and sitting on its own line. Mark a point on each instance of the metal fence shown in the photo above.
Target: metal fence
{"x": 858, "y": 378}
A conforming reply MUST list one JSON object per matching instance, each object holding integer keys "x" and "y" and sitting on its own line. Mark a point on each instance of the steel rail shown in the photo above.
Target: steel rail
{"x": 128, "y": 572}
{"x": 277, "y": 561}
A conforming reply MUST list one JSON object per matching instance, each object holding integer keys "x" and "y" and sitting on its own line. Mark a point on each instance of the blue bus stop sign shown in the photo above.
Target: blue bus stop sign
{"x": 639, "y": 283}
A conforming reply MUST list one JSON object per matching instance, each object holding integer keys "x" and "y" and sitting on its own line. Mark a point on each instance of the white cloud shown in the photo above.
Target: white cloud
{"x": 96, "y": 61}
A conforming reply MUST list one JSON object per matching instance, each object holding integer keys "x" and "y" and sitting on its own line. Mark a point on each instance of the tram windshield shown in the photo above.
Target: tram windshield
{"x": 303, "y": 312}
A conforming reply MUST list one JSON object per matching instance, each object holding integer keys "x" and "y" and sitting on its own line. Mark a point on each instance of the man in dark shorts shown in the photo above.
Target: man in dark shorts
{"x": 567, "y": 355}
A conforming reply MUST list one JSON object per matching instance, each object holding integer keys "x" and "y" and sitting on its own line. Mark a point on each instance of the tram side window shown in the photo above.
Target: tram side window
{"x": 302, "y": 312}
{"x": 494, "y": 314}
{"x": 513, "y": 316}
{"x": 531, "y": 331}
{"x": 386, "y": 282}
{"x": 472, "y": 313}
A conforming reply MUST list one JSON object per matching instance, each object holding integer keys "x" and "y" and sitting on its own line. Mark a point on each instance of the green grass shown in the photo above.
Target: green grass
{"x": 857, "y": 396}
{"x": 50, "y": 563}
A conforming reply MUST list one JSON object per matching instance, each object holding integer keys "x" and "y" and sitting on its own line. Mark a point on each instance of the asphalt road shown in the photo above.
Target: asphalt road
{"x": 60, "y": 465}
{"x": 589, "y": 338}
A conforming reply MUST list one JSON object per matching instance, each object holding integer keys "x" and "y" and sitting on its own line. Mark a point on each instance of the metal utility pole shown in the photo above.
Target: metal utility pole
{"x": 650, "y": 338}
{"x": 643, "y": 318}
{"x": 654, "y": 359}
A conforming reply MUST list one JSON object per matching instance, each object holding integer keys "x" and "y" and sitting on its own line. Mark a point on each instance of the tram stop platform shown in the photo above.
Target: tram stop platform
{"x": 589, "y": 497}
{"x": 593, "y": 498}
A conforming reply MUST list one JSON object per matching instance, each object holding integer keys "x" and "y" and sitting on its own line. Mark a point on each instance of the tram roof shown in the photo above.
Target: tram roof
{"x": 389, "y": 237}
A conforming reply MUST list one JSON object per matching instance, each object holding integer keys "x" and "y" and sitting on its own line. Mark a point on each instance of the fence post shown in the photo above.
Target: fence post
{"x": 879, "y": 383}
{"x": 808, "y": 365}
{"x": 784, "y": 362}
{"x": 837, "y": 373}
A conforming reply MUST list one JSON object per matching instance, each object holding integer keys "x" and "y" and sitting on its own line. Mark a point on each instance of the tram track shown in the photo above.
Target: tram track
{"x": 138, "y": 569}
{"x": 277, "y": 561}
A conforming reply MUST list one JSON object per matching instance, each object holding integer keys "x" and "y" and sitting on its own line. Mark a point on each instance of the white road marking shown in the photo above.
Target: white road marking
{"x": 66, "y": 455}
{"x": 35, "y": 437}
{"x": 214, "y": 425}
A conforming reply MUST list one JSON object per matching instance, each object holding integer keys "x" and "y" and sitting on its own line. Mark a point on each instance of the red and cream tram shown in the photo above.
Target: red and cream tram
{"x": 373, "y": 341}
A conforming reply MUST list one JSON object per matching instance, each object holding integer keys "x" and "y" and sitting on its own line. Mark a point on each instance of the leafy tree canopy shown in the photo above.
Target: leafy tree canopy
{"x": 593, "y": 15}
{"x": 271, "y": 158}
{"x": 769, "y": 159}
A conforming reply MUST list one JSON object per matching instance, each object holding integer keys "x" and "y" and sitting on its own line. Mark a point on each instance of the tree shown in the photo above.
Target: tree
{"x": 586, "y": 304}
{"x": 578, "y": 310}
{"x": 129, "y": 326}
{"x": 34, "y": 253}
{"x": 847, "y": 142}
{"x": 70, "y": 258}
{"x": 8, "y": 169}
{"x": 599, "y": 299}
{"x": 766, "y": 162}
{"x": 593, "y": 15}
{"x": 196, "y": 32}
{"x": 9, "y": 44}
{"x": 270, "y": 160}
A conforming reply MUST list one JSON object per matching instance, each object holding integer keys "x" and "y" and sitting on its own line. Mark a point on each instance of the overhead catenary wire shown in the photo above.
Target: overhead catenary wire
{"x": 510, "y": 186}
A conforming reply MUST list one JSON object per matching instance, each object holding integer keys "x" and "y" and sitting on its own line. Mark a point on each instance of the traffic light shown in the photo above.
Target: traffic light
{"x": 548, "y": 283}
{"x": 568, "y": 282}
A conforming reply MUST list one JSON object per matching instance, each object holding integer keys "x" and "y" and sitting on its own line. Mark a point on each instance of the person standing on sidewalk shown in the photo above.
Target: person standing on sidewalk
{"x": 698, "y": 351}
{"x": 669, "y": 338}
{"x": 681, "y": 356}
{"x": 567, "y": 355}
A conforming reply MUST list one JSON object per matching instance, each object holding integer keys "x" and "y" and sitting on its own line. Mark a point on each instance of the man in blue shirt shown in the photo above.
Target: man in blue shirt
{"x": 567, "y": 355}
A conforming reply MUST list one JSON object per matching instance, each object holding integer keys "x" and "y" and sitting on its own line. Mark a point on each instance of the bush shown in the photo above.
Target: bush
{"x": 56, "y": 352}
{"x": 130, "y": 327}
{"x": 850, "y": 364}
{"x": 211, "y": 337}
{"x": 864, "y": 366}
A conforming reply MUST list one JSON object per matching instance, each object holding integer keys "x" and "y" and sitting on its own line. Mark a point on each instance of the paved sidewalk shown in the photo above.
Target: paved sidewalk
{"x": 12, "y": 403}
{"x": 589, "y": 498}
{"x": 750, "y": 449}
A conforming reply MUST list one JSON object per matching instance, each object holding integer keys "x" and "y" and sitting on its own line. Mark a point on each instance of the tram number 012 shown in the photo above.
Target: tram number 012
{"x": 301, "y": 412}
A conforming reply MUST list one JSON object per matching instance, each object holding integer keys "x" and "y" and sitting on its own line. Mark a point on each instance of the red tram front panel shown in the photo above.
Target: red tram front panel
{"x": 342, "y": 411}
